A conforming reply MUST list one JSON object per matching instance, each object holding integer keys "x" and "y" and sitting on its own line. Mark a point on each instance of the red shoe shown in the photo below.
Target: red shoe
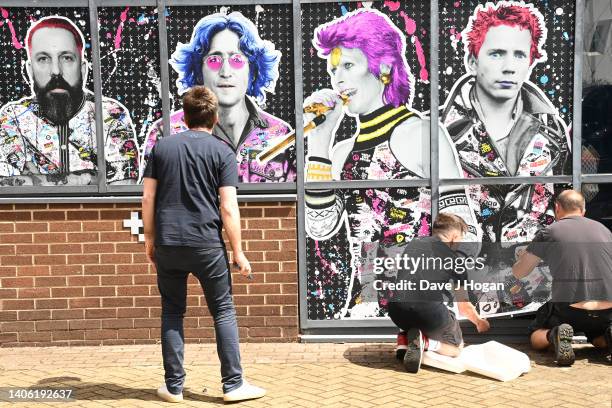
{"x": 402, "y": 345}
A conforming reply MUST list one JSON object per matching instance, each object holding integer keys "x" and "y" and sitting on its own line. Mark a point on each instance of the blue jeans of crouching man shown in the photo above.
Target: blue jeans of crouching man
{"x": 210, "y": 266}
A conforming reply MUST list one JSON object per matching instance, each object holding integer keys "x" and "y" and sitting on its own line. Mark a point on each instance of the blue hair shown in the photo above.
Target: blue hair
{"x": 262, "y": 55}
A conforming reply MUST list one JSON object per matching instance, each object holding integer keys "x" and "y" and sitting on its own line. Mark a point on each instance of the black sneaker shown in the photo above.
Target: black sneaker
{"x": 402, "y": 345}
{"x": 414, "y": 352}
{"x": 608, "y": 337}
{"x": 561, "y": 337}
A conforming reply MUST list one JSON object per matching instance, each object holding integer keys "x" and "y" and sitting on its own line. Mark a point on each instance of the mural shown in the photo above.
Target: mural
{"x": 49, "y": 136}
{"x": 227, "y": 54}
{"x": 503, "y": 124}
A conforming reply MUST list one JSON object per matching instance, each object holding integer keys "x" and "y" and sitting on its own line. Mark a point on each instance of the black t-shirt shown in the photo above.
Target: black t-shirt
{"x": 578, "y": 251}
{"x": 189, "y": 168}
{"x": 436, "y": 266}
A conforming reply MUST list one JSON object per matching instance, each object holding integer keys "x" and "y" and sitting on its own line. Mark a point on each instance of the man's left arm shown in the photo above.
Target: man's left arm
{"x": 148, "y": 217}
{"x": 525, "y": 264}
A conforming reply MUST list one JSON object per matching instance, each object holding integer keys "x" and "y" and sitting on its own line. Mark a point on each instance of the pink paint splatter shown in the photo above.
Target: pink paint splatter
{"x": 16, "y": 43}
{"x": 411, "y": 29}
{"x": 424, "y": 230}
{"x": 123, "y": 17}
{"x": 359, "y": 5}
{"x": 392, "y": 5}
{"x": 457, "y": 4}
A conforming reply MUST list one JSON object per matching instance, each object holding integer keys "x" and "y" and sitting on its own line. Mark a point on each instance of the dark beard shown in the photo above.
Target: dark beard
{"x": 59, "y": 108}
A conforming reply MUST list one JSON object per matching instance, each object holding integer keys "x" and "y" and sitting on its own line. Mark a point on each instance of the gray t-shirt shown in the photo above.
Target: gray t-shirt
{"x": 189, "y": 168}
{"x": 578, "y": 251}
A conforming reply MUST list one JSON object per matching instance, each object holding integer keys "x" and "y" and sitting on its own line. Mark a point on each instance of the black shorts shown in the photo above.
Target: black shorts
{"x": 434, "y": 320}
{"x": 592, "y": 323}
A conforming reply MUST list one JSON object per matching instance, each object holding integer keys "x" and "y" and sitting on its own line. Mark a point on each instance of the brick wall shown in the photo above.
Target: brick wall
{"x": 71, "y": 274}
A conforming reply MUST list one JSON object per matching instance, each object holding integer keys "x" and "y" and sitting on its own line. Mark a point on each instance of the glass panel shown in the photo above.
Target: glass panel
{"x": 506, "y": 104}
{"x": 253, "y": 81}
{"x": 129, "y": 49}
{"x": 366, "y": 80}
{"x": 599, "y": 202}
{"x": 47, "y": 119}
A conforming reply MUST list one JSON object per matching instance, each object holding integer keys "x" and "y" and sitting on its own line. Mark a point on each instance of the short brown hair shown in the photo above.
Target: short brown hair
{"x": 446, "y": 222}
{"x": 200, "y": 107}
{"x": 570, "y": 201}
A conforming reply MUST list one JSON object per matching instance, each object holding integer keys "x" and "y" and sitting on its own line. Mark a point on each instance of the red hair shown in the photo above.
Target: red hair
{"x": 510, "y": 14}
{"x": 56, "y": 22}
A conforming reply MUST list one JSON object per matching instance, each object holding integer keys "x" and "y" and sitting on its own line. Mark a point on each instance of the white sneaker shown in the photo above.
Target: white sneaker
{"x": 245, "y": 392}
{"x": 163, "y": 393}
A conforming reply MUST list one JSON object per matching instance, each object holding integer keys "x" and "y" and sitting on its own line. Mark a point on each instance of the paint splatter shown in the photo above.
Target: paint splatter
{"x": 544, "y": 79}
{"x": 418, "y": 47}
{"x": 392, "y": 5}
{"x": 123, "y": 17}
{"x": 16, "y": 43}
{"x": 258, "y": 10}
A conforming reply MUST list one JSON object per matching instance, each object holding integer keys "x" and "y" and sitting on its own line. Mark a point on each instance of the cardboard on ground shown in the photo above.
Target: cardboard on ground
{"x": 491, "y": 359}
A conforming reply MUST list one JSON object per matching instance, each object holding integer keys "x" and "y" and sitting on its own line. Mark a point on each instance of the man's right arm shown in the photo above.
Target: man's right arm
{"x": 230, "y": 215}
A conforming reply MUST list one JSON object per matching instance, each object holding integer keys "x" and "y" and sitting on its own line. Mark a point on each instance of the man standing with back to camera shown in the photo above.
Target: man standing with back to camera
{"x": 183, "y": 217}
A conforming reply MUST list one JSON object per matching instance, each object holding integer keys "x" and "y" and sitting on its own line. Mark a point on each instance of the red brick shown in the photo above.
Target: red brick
{"x": 50, "y": 259}
{"x": 8, "y": 316}
{"x": 264, "y": 310}
{"x": 34, "y": 337}
{"x": 32, "y": 249}
{"x": 82, "y": 215}
{"x": 31, "y": 227}
{"x": 83, "y": 237}
{"x": 51, "y": 237}
{"x": 17, "y": 326}
{"x": 115, "y": 258}
{"x": 99, "y": 248}
{"x": 280, "y": 212}
{"x": 38, "y": 270}
{"x": 31, "y": 293}
{"x": 121, "y": 236}
{"x": 264, "y": 224}
{"x": 290, "y": 333}
{"x": 83, "y": 280}
{"x": 8, "y": 337}
{"x": 100, "y": 334}
{"x": 135, "y": 333}
{"x": 251, "y": 212}
{"x": 140, "y": 258}
{"x": 49, "y": 215}
{"x": 114, "y": 280}
{"x": 289, "y": 266}
{"x": 288, "y": 245}
{"x": 17, "y": 304}
{"x": 7, "y": 227}
{"x": 9, "y": 293}
{"x": 262, "y": 245}
{"x": 15, "y": 238}
{"x": 136, "y": 290}
{"x": 154, "y": 301}
{"x": 84, "y": 259}
{"x": 117, "y": 324}
{"x": 30, "y": 206}
{"x": 17, "y": 282}
{"x": 132, "y": 206}
{"x": 133, "y": 269}
{"x": 66, "y": 292}
{"x": 100, "y": 313}
{"x": 97, "y": 205}
{"x": 281, "y": 299}
{"x": 239, "y": 289}
{"x": 145, "y": 279}
{"x": 34, "y": 314}
{"x": 252, "y": 234}
{"x": 84, "y": 303}
{"x": 49, "y": 325}
{"x": 281, "y": 256}
{"x": 201, "y": 332}
{"x": 67, "y": 314}
{"x": 98, "y": 226}
{"x": 51, "y": 303}
{"x": 281, "y": 278}
{"x": 127, "y": 247}
{"x": 71, "y": 226}
{"x": 7, "y": 249}
{"x": 289, "y": 288}
{"x": 264, "y": 331}
{"x": 279, "y": 234}
{"x": 289, "y": 224}
{"x": 132, "y": 312}
{"x": 264, "y": 288}
{"x": 118, "y": 302}
{"x": 66, "y": 248}
{"x": 289, "y": 310}
{"x": 80, "y": 324}
{"x": 115, "y": 214}
{"x": 68, "y": 335}
{"x": 66, "y": 269}
{"x": 265, "y": 266}
{"x": 92, "y": 291}
{"x": 251, "y": 321}
{"x": 248, "y": 300}
{"x": 15, "y": 216}
{"x": 99, "y": 269}
{"x": 8, "y": 271}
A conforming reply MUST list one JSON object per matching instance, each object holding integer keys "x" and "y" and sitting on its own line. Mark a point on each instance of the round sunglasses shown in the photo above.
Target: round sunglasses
{"x": 215, "y": 62}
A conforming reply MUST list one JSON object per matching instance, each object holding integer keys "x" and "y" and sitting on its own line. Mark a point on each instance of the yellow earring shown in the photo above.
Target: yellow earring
{"x": 334, "y": 58}
{"x": 385, "y": 79}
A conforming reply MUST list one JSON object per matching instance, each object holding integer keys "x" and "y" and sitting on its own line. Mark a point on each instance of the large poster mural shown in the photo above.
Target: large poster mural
{"x": 47, "y": 121}
{"x": 227, "y": 51}
{"x": 504, "y": 124}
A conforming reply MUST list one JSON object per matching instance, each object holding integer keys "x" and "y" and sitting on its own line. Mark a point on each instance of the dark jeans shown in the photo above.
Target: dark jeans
{"x": 210, "y": 267}
{"x": 433, "y": 319}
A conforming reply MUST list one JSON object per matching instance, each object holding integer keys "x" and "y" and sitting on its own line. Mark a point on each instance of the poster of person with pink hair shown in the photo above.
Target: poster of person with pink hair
{"x": 369, "y": 84}
{"x": 503, "y": 125}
